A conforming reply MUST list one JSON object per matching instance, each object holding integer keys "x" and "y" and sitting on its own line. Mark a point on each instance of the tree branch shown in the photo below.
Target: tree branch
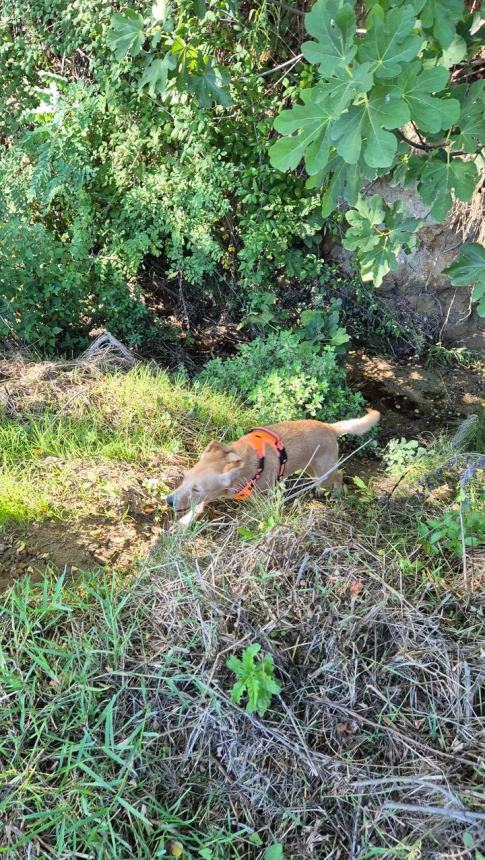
{"x": 430, "y": 147}
{"x": 294, "y": 60}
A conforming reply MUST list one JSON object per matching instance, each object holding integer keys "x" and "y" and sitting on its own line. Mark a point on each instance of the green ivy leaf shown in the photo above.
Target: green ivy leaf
{"x": 469, "y": 270}
{"x": 364, "y": 126}
{"x": 439, "y": 16}
{"x": 440, "y": 178}
{"x": 210, "y": 84}
{"x": 125, "y": 34}
{"x": 416, "y": 85}
{"x": 472, "y": 120}
{"x": 155, "y": 75}
{"x": 332, "y": 24}
{"x": 389, "y": 41}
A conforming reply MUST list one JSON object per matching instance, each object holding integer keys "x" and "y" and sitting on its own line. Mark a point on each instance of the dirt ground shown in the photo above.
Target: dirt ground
{"x": 415, "y": 402}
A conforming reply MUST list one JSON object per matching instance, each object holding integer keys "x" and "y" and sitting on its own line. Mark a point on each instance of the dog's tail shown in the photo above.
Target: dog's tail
{"x": 357, "y": 426}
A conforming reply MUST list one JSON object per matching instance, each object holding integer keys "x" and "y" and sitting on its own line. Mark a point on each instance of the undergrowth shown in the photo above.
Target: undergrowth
{"x": 358, "y": 731}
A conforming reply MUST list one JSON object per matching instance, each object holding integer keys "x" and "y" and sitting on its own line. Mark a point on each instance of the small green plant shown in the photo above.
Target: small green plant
{"x": 402, "y": 453}
{"x": 367, "y": 491}
{"x": 263, "y": 310}
{"x": 321, "y": 327}
{"x": 456, "y": 356}
{"x": 255, "y": 678}
{"x": 451, "y": 531}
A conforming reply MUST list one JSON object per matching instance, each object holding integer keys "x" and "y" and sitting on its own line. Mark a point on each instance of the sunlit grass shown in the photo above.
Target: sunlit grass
{"x": 125, "y": 418}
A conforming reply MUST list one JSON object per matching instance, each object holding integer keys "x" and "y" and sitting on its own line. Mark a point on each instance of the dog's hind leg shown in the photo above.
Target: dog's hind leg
{"x": 318, "y": 468}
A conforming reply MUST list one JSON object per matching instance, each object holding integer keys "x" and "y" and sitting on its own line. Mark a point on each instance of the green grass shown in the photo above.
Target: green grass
{"x": 82, "y": 762}
{"x": 124, "y": 418}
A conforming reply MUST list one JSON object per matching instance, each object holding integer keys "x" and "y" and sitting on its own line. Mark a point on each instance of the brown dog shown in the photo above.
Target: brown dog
{"x": 261, "y": 458}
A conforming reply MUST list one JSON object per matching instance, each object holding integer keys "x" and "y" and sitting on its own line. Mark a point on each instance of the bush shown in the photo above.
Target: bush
{"x": 112, "y": 198}
{"x": 286, "y": 377}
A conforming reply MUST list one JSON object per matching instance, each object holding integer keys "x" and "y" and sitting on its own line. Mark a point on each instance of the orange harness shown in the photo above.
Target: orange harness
{"x": 258, "y": 438}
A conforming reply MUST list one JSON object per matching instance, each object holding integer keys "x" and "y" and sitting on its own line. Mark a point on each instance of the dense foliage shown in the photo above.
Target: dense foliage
{"x": 134, "y": 164}
{"x": 286, "y": 376}
{"x": 99, "y": 176}
{"x": 381, "y": 93}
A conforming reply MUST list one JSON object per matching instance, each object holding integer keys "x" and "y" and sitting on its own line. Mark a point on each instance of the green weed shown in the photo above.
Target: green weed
{"x": 255, "y": 678}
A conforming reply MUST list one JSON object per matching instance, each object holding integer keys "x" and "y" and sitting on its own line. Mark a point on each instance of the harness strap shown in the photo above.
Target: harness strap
{"x": 258, "y": 438}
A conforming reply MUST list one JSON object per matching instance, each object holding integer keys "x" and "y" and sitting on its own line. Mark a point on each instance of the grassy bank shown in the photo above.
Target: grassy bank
{"x": 118, "y": 735}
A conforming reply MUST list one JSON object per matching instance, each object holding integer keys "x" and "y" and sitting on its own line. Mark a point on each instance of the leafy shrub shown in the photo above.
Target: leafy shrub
{"x": 255, "y": 678}
{"x": 446, "y": 533}
{"x": 402, "y": 453}
{"x": 113, "y": 193}
{"x": 286, "y": 377}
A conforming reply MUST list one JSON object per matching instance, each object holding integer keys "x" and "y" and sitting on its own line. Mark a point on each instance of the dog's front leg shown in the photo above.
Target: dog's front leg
{"x": 192, "y": 515}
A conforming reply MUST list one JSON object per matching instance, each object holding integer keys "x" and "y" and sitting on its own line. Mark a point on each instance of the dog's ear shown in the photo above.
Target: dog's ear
{"x": 229, "y": 472}
{"x": 235, "y": 463}
{"x": 213, "y": 446}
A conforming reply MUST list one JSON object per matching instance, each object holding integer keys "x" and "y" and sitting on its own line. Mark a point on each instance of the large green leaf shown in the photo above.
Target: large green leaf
{"x": 364, "y": 126}
{"x": 155, "y": 75}
{"x": 440, "y": 16}
{"x": 332, "y": 24}
{"x": 342, "y": 180}
{"x": 390, "y": 42}
{"x": 472, "y": 119}
{"x": 368, "y": 214}
{"x": 442, "y": 177}
{"x": 469, "y": 270}
{"x": 311, "y": 122}
{"x": 377, "y": 234}
{"x": 210, "y": 84}
{"x": 346, "y": 84}
{"x": 125, "y": 34}
{"x": 416, "y": 85}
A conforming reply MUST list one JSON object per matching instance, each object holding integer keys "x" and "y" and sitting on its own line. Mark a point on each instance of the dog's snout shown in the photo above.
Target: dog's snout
{"x": 170, "y": 500}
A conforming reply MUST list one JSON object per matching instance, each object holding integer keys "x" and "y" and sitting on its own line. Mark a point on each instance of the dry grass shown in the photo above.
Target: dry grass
{"x": 377, "y": 739}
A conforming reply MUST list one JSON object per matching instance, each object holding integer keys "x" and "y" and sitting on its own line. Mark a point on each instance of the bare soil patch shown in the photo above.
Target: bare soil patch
{"x": 412, "y": 398}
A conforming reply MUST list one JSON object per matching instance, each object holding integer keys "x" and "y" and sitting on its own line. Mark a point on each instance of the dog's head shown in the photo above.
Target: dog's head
{"x": 213, "y": 477}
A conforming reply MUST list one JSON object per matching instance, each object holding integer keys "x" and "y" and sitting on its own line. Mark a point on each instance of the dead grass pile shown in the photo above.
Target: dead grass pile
{"x": 376, "y": 741}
